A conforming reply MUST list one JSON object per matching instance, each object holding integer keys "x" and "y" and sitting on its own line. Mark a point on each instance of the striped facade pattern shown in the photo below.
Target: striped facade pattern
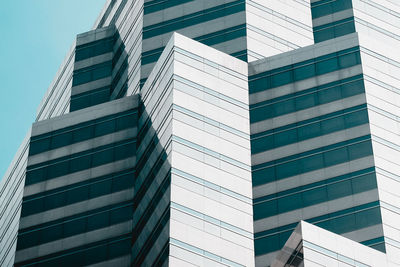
{"x": 332, "y": 19}
{"x": 312, "y": 154}
{"x": 94, "y": 62}
{"x": 77, "y": 204}
{"x": 220, "y": 24}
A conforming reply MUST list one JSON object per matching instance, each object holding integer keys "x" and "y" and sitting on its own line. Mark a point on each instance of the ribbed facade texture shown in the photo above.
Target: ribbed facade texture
{"x": 215, "y": 133}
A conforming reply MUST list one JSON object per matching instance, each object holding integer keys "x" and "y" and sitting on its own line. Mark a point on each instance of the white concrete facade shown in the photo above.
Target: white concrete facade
{"x": 205, "y": 133}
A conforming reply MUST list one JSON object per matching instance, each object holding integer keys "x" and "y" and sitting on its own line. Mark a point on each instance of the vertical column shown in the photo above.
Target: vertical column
{"x": 211, "y": 207}
{"x": 381, "y": 69}
{"x": 199, "y": 155}
{"x": 332, "y": 19}
{"x": 91, "y": 84}
{"x": 312, "y": 155}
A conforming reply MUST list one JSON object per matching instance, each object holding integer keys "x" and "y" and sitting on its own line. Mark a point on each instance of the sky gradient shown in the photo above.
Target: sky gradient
{"x": 36, "y": 36}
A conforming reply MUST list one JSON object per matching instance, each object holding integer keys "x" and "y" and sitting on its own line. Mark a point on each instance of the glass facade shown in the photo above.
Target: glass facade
{"x": 99, "y": 71}
{"x": 337, "y": 27}
{"x": 79, "y": 184}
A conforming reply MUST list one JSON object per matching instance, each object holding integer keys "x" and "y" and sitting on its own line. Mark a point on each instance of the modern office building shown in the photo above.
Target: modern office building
{"x": 215, "y": 133}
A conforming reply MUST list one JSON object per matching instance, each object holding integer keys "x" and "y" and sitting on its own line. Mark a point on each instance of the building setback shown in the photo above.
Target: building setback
{"x": 215, "y": 133}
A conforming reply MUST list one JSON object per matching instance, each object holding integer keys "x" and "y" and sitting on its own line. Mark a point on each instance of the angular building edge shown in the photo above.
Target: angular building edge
{"x": 310, "y": 245}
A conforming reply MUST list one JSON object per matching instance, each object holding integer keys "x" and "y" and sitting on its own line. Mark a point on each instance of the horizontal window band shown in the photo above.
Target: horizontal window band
{"x": 334, "y": 31}
{"x": 83, "y": 131}
{"x": 70, "y": 227}
{"x": 329, "y": 7}
{"x": 312, "y": 160}
{"x": 308, "y": 101}
{"x": 80, "y": 226}
{"x": 80, "y": 161}
{"x": 84, "y": 124}
{"x": 193, "y": 19}
{"x": 158, "y": 5}
{"x": 95, "y": 48}
{"x": 83, "y": 153}
{"x": 332, "y": 24}
{"x": 79, "y": 184}
{"x": 304, "y": 70}
{"x": 335, "y": 179}
{"x": 309, "y": 121}
{"x": 373, "y": 241}
{"x": 317, "y": 219}
{"x": 95, "y": 97}
{"x": 79, "y": 192}
{"x": 304, "y": 63}
{"x": 242, "y": 55}
{"x": 313, "y": 151}
{"x": 221, "y": 36}
{"x": 313, "y": 130}
{"x": 91, "y": 92}
{"x": 93, "y": 67}
{"x": 323, "y": 2}
{"x": 208, "y": 39}
{"x": 317, "y": 195}
{"x": 322, "y": 87}
{"x": 344, "y": 221}
{"x": 92, "y": 253}
{"x": 93, "y": 43}
{"x": 92, "y": 73}
{"x": 75, "y": 216}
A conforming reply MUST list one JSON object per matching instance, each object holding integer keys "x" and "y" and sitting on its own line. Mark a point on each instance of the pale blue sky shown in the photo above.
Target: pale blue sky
{"x": 35, "y": 37}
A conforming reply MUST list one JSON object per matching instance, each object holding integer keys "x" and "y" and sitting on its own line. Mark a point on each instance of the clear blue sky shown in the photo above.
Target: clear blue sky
{"x": 35, "y": 37}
